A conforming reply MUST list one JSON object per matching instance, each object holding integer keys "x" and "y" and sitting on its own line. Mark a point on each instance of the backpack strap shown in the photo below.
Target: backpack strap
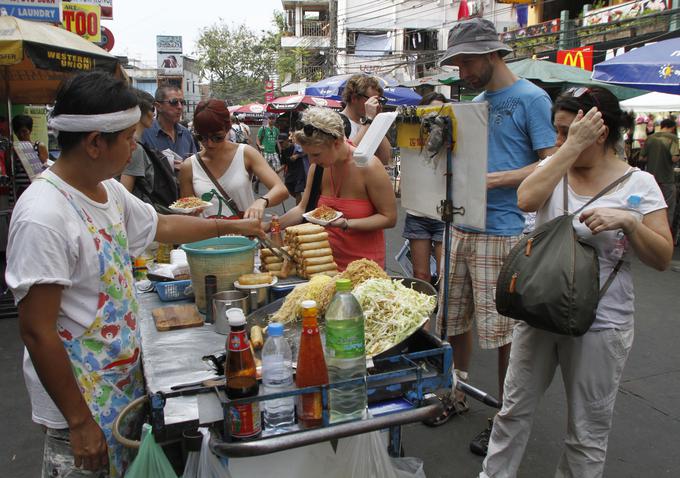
{"x": 610, "y": 279}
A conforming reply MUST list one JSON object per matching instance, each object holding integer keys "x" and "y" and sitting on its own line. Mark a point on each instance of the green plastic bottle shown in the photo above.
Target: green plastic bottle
{"x": 345, "y": 353}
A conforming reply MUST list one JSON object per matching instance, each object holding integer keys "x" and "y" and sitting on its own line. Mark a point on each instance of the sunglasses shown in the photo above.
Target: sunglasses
{"x": 174, "y": 102}
{"x": 381, "y": 99}
{"x": 580, "y": 91}
{"x": 309, "y": 129}
{"x": 215, "y": 138}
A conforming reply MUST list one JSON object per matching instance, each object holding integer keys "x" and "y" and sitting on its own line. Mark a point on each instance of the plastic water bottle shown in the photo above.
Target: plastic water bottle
{"x": 277, "y": 376}
{"x": 621, "y": 244}
{"x": 345, "y": 353}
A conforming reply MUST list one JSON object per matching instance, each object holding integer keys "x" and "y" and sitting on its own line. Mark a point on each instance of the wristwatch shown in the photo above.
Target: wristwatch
{"x": 365, "y": 120}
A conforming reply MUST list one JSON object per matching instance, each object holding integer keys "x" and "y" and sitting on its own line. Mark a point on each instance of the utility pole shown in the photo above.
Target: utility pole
{"x": 333, "y": 50}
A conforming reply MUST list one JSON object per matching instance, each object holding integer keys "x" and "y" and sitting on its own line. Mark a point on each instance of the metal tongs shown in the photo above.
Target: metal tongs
{"x": 279, "y": 252}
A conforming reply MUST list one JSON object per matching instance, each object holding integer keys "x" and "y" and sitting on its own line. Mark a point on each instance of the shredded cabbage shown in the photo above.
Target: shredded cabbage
{"x": 392, "y": 312}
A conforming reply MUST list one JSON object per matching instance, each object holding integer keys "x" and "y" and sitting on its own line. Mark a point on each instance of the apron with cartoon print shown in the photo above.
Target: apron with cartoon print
{"x": 106, "y": 357}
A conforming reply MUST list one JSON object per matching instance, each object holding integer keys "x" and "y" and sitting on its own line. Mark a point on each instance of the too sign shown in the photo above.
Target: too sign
{"x": 83, "y": 20}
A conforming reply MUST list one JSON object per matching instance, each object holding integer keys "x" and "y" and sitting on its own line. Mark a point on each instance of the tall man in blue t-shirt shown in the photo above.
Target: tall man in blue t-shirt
{"x": 520, "y": 132}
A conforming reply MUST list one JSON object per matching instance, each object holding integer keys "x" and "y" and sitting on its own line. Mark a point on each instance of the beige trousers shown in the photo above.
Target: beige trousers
{"x": 591, "y": 368}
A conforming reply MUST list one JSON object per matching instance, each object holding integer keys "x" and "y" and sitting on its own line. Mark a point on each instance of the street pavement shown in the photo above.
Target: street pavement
{"x": 643, "y": 442}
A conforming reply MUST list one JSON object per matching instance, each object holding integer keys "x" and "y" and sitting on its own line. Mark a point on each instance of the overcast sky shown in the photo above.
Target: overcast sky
{"x": 137, "y": 22}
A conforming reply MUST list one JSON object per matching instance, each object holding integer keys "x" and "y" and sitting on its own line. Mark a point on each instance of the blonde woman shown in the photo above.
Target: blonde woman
{"x": 364, "y": 195}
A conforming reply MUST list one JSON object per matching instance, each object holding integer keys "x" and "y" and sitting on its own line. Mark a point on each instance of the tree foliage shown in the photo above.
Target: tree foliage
{"x": 236, "y": 61}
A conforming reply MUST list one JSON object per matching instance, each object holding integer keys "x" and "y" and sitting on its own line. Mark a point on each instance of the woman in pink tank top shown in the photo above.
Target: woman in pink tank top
{"x": 364, "y": 195}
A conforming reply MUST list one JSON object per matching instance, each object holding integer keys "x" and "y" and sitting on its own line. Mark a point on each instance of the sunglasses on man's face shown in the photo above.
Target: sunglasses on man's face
{"x": 309, "y": 129}
{"x": 174, "y": 102}
{"x": 381, "y": 99}
{"x": 215, "y": 138}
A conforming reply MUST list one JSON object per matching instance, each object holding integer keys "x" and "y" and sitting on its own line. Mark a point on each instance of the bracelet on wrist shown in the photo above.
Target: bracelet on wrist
{"x": 345, "y": 225}
{"x": 266, "y": 200}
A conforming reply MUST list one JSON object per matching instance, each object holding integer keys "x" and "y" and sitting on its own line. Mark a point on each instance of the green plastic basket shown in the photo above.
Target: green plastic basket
{"x": 224, "y": 257}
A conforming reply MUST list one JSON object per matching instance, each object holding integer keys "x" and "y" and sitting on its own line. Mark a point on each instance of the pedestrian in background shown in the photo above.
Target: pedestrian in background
{"x": 363, "y": 98}
{"x": 660, "y": 154}
{"x": 292, "y": 159}
{"x": 268, "y": 144}
{"x": 166, "y": 132}
{"x": 520, "y": 132}
{"x": 631, "y": 219}
{"x": 149, "y": 175}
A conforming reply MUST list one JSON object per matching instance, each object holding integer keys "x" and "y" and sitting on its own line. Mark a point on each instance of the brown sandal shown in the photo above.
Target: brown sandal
{"x": 452, "y": 406}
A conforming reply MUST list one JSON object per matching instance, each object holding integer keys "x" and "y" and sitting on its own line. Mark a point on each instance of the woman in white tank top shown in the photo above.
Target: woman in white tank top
{"x": 231, "y": 164}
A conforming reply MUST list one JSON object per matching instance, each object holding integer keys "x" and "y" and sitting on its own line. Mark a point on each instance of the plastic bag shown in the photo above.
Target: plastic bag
{"x": 150, "y": 461}
{"x": 209, "y": 465}
{"x": 365, "y": 456}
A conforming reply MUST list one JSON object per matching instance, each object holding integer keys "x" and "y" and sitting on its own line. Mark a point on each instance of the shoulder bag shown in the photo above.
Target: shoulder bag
{"x": 238, "y": 214}
{"x": 551, "y": 278}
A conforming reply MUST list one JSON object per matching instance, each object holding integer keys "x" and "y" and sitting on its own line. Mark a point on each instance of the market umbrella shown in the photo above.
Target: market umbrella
{"x": 35, "y": 57}
{"x": 548, "y": 73}
{"x": 653, "y": 102}
{"x": 331, "y": 88}
{"x": 653, "y": 67}
{"x": 296, "y": 102}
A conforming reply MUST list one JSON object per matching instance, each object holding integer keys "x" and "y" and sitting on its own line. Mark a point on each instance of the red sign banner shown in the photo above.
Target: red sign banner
{"x": 579, "y": 57}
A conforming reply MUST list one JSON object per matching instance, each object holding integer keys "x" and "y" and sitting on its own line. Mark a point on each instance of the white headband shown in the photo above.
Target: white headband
{"x": 105, "y": 123}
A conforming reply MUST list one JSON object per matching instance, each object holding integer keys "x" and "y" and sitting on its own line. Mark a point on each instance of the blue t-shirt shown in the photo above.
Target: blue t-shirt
{"x": 520, "y": 123}
{"x": 156, "y": 138}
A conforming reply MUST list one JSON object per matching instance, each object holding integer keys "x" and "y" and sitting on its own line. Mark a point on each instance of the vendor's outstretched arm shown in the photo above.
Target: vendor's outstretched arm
{"x": 38, "y": 313}
{"x": 178, "y": 229}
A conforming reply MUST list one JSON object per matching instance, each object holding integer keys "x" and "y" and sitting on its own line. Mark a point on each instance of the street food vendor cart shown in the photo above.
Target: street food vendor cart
{"x": 182, "y": 390}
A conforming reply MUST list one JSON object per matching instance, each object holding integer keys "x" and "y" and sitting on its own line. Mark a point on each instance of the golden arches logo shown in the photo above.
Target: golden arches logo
{"x": 574, "y": 59}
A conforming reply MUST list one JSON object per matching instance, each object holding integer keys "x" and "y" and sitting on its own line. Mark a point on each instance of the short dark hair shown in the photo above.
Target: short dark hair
{"x": 162, "y": 92}
{"x": 432, "y": 96}
{"x": 614, "y": 117}
{"x": 90, "y": 94}
{"x": 667, "y": 123}
{"x": 22, "y": 121}
{"x": 145, "y": 99}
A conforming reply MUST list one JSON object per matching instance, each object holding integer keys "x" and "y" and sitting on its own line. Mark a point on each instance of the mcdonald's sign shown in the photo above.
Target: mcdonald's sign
{"x": 578, "y": 57}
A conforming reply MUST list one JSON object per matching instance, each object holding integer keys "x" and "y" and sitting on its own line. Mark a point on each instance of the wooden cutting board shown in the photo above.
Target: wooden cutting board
{"x": 176, "y": 317}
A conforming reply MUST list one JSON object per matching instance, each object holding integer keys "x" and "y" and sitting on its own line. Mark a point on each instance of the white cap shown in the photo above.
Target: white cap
{"x": 308, "y": 304}
{"x": 235, "y": 317}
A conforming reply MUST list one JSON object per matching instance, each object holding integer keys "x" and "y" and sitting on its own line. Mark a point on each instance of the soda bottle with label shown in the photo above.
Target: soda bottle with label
{"x": 345, "y": 353}
{"x": 275, "y": 235}
{"x": 311, "y": 368}
{"x": 241, "y": 376}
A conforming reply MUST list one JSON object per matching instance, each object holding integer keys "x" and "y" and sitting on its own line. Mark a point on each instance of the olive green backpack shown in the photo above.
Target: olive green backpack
{"x": 551, "y": 279}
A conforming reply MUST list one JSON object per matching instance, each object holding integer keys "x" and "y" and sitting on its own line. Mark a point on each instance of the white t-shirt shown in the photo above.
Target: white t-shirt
{"x": 616, "y": 308}
{"x": 50, "y": 244}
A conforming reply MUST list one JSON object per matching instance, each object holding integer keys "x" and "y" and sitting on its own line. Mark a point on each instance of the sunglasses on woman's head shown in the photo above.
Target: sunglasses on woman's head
{"x": 580, "y": 91}
{"x": 309, "y": 129}
{"x": 215, "y": 138}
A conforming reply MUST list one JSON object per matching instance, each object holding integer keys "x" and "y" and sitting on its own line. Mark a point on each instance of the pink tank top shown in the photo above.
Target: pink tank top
{"x": 351, "y": 245}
